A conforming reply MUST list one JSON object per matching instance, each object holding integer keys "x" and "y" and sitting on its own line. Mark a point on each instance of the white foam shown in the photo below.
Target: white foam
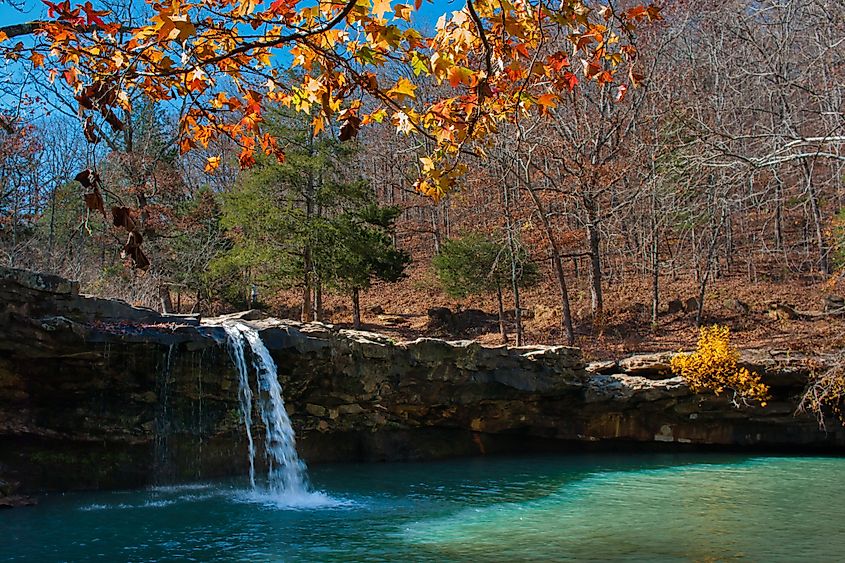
{"x": 123, "y": 506}
{"x": 157, "y": 503}
{"x": 291, "y": 500}
{"x": 180, "y": 488}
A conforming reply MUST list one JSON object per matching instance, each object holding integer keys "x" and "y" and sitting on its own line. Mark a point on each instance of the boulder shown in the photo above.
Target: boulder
{"x": 441, "y": 320}
{"x": 782, "y": 312}
{"x": 605, "y": 367}
{"x": 652, "y": 366}
{"x": 737, "y": 306}
{"x": 676, "y": 306}
{"x": 691, "y": 305}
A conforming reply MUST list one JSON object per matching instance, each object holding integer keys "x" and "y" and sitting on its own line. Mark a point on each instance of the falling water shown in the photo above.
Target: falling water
{"x": 164, "y": 373}
{"x": 286, "y": 474}
{"x": 236, "y": 351}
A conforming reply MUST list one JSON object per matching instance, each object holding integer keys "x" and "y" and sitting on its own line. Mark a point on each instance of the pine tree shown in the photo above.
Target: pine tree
{"x": 362, "y": 250}
{"x": 477, "y": 265}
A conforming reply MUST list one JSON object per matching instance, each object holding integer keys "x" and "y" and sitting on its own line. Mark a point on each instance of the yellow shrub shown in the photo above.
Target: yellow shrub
{"x": 713, "y": 367}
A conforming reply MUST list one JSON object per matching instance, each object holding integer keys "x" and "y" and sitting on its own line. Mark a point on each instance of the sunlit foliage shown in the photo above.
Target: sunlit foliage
{"x": 714, "y": 366}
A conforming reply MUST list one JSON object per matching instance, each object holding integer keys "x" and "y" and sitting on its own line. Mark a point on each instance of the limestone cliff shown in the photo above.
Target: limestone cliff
{"x": 95, "y": 393}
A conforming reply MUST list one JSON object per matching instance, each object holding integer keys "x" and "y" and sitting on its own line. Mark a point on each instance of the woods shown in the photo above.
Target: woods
{"x": 632, "y": 155}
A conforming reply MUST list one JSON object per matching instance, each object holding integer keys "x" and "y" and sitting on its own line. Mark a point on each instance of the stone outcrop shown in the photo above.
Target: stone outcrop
{"x": 96, "y": 393}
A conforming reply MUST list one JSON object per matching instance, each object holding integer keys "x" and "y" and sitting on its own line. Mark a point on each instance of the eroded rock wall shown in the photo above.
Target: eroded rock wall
{"x": 97, "y": 394}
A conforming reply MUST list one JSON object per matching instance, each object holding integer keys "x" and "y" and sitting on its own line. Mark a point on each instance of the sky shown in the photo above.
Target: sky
{"x": 33, "y": 9}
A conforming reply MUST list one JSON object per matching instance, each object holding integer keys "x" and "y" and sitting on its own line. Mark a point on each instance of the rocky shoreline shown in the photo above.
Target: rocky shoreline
{"x": 95, "y": 393}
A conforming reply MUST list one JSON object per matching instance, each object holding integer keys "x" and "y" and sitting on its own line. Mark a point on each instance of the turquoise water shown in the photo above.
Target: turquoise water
{"x": 579, "y": 507}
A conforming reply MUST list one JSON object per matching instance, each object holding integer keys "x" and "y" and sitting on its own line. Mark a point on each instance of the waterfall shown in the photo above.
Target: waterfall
{"x": 162, "y": 466}
{"x": 236, "y": 351}
{"x": 286, "y": 472}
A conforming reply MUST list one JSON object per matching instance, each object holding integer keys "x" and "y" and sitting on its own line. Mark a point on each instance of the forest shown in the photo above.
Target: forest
{"x": 701, "y": 180}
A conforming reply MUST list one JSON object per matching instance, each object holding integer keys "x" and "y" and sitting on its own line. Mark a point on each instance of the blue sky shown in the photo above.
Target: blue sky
{"x": 34, "y": 9}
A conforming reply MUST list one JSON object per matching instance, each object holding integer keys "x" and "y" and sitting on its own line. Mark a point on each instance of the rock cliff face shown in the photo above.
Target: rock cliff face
{"x": 95, "y": 393}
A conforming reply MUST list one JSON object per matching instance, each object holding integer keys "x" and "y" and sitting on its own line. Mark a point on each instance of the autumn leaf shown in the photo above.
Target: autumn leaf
{"x": 212, "y": 163}
{"x": 403, "y": 89}
{"x": 461, "y": 75}
{"x": 94, "y": 202}
{"x": 349, "y": 129}
{"x": 548, "y": 101}
{"x": 403, "y": 12}
{"x": 122, "y": 218}
{"x": 92, "y": 16}
{"x": 381, "y": 7}
{"x": 621, "y": 91}
{"x": 71, "y": 76}
{"x": 570, "y": 80}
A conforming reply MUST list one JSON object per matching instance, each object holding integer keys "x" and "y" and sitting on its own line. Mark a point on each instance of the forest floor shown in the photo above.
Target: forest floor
{"x": 401, "y": 310}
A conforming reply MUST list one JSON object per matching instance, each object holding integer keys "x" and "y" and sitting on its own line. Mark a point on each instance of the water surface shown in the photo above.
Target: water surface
{"x": 580, "y": 507}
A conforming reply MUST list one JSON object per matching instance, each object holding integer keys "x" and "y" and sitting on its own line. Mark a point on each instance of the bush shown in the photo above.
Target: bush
{"x": 713, "y": 367}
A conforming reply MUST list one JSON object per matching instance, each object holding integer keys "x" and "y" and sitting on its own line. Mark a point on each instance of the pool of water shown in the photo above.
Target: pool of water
{"x": 579, "y": 507}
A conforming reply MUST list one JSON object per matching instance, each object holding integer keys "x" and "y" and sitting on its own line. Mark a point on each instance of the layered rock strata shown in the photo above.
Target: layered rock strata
{"x": 98, "y": 394}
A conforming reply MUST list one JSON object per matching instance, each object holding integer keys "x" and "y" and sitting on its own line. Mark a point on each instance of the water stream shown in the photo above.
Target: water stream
{"x": 286, "y": 474}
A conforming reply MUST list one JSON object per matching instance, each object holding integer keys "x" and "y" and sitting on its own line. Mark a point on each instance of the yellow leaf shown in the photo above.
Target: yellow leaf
{"x": 211, "y": 163}
{"x": 403, "y": 89}
{"x": 381, "y": 7}
{"x": 3, "y": 36}
{"x": 318, "y": 125}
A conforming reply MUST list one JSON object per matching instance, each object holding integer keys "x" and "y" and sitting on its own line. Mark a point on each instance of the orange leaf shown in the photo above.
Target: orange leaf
{"x": 211, "y": 163}
{"x": 548, "y": 101}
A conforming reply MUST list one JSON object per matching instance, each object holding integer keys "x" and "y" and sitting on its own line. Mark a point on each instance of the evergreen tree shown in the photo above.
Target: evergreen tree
{"x": 362, "y": 250}
{"x": 306, "y": 223}
{"x": 477, "y": 265}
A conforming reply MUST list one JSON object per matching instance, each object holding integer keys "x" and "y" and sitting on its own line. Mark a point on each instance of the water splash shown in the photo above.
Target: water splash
{"x": 286, "y": 476}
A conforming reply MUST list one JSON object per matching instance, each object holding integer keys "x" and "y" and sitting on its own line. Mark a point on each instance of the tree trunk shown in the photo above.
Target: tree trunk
{"x": 566, "y": 314}
{"x": 164, "y": 297}
{"x": 307, "y": 265}
{"x": 502, "y": 329}
{"x": 596, "y": 297}
{"x": 509, "y": 227}
{"x": 52, "y": 223}
{"x": 779, "y": 214}
{"x": 307, "y": 312}
{"x": 356, "y": 309}
{"x": 824, "y": 251}
{"x": 318, "y": 301}
{"x": 517, "y": 304}
{"x": 655, "y": 272}
{"x": 702, "y": 287}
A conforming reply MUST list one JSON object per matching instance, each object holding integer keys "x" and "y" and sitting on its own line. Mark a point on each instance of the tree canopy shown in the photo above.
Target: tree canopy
{"x": 221, "y": 61}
